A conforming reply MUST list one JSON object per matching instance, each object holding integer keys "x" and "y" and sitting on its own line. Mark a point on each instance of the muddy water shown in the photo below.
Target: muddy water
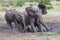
{"x": 53, "y": 23}
{"x": 54, "y": 27}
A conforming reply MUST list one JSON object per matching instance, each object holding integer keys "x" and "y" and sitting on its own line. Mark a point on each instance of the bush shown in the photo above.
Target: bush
{"x": 4, "y": 3}
{"x": 57, "y": 0}
{"x": 44, "y": 1}
{"x": 3, "y": 9}
{"x": 47, "y": 2}
{"x": 13, "y": 8}
{"x": 49, "y": 6}
{"x": 11, "y": 3}
{"x": 20, "y": 2}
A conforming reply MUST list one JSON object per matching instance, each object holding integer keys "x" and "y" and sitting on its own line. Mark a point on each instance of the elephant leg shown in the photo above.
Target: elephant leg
{"x": 23, "y": 27}
{"x": 17, "y": 26}
{"x": 10, "y": 25}
{"x": 39, "y": 27}
{"x": 42, "y": 23}
{"x": 30, "y": 28}
{"x": 33, "y": 27}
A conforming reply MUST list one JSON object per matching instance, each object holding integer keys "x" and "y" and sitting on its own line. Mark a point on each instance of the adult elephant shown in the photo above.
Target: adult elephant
{"x": 17, "y": 18}
{"x": 41, "y": 11}
{"x": 35, "y": 16}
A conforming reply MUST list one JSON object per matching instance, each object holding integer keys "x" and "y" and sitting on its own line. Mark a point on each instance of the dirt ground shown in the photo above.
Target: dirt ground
{"x": 52, "y": 21}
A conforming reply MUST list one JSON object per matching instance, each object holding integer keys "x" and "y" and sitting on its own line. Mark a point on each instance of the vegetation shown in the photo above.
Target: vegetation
{"x": 21, "y": 3}
{"x": 57, "y": 0}
{"x": 47, "y": 2}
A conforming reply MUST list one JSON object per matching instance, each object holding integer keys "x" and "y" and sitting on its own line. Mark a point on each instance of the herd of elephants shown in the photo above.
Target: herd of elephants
{"x": 28, "y": 21}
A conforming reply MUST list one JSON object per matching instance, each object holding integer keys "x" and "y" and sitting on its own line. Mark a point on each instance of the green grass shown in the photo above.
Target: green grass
{"x": 56, "y": 5}
{"x": 50, "y": 34}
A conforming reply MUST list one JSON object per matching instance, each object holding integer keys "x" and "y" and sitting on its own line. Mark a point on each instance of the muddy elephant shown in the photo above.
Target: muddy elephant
{"x": 35, "y": 17}
{"x": 29, "y": 19}
{"x": 41, "y": 11}
{"x": 21, "y": 20}
{"x": 16, "y": 17}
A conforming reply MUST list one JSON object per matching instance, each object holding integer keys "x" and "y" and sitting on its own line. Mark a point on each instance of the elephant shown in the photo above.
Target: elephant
{"x": 37, "y": 16}
{"x": 16, "y": 17}
{"x": 28, "y": 20}
{"x": 41, "y": 11}
{"x": 30, "y": 16}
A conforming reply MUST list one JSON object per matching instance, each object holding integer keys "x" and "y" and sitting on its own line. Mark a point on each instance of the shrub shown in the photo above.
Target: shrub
{"x": 47, "y": 2}
{"x": 20, "y": 2}
{"x": 44, "y": 1}
{"x": 3, "y": 9}
{"x": 49, "y": 6}
{"x": 12, "y": 2}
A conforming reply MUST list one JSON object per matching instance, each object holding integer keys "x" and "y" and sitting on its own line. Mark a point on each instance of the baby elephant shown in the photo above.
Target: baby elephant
{"x": 30, "y": 19}
{"x": 38, "y": 19}
{"x": 16, "y": 17}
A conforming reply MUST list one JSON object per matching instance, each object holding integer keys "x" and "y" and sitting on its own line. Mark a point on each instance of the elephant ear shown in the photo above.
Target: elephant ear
{"x": 29, "y": 11}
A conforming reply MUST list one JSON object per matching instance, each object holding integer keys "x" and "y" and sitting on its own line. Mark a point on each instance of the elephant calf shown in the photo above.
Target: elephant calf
{"x": 41, "y": 11}
{"x": 16, "y": 17}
